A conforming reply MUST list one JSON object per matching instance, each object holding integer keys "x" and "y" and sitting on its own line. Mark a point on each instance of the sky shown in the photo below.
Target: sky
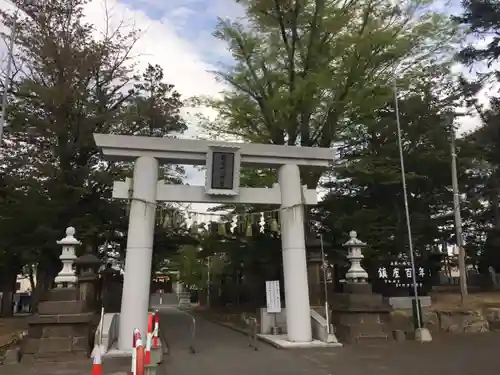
{"x": 177, "y": 35}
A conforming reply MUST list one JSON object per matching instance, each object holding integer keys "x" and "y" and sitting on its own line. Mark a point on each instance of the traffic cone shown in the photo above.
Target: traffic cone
{"x": 97, "y": 364}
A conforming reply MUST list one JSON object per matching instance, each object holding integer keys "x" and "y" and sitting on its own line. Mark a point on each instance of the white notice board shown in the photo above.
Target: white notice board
{"x": 273, "y": 296}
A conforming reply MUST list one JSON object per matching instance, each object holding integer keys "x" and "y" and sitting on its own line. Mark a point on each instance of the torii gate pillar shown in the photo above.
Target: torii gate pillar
{"x": 140, "y": 234}
{"x": 298, "y": 313}
{"x": 146, "y": 190}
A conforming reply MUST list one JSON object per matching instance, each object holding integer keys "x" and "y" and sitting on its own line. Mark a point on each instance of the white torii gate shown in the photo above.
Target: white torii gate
{"x": 223, "y": 162}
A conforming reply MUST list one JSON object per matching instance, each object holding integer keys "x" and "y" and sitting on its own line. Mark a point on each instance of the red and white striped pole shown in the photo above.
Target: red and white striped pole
{"x": 149, "y": 339}
{"x": 156, "y": 329}
{"x": 136, "y": 335}
{"x": 139, "y": 368}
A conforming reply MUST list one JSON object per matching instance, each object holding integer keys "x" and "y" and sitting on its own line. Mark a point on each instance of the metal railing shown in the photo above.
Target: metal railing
{"x": 193, "y": 334}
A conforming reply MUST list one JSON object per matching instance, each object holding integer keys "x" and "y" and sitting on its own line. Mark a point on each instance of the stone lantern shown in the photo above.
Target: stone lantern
{"x": 87, "y": 266}
{"x": 66, "y": 278}
{"x": 357, "y": 312}
{"x": 356, "y": 273}
{"x": 62, "y": 327}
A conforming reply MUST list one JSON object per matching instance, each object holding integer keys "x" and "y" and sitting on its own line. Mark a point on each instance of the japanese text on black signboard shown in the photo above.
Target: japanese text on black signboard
{"x": 400, "y": 274}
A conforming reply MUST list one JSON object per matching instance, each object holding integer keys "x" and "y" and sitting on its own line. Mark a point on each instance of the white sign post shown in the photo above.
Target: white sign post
{"x": 273, "y": 301}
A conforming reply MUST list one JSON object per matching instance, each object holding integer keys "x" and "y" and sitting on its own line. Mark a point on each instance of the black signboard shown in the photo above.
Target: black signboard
{"x": 395, "y": 278}
{"x": 222, "y": 170}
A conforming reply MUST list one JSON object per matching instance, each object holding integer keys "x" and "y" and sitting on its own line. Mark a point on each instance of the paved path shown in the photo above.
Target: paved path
{"x": 221, "y": 351}
{"x": 111, "y": 366}
{"x": 467, "y": 354}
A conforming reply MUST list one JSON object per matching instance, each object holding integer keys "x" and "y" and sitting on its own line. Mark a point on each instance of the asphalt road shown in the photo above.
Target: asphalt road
{"x": 222, "y": 351}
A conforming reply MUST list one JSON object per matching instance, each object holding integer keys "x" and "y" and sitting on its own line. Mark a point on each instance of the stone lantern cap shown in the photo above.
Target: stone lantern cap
{"x": 70, "y": 239}
{"x": 88, "y": 259}
{"x": 353, "y": 241}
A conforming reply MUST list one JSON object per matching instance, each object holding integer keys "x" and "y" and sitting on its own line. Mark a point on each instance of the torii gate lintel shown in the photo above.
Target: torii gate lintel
{"x": 197, "y": 194}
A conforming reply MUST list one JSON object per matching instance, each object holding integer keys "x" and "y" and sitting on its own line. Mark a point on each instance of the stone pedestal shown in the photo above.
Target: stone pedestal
{"x": 62, "y": 330}
{"x": 89, "y": 292}
{"x": 359, "y": 314}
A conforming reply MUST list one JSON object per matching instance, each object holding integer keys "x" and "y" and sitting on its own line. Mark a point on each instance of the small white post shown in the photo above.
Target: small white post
{"x": 356, "y": 273}
{"x": 67, "y": 276}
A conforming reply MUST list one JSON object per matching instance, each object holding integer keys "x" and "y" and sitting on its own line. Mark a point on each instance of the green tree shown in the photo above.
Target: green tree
{"x": 240, "y": 265}
{"x": 70, "y": 85}
{"x": 366, "y": 194}
{"x": 303, "y": 68}
{"x": 191, "y": 267}
{"x": 310, "y": 73}
{"x": 482, "y": 19}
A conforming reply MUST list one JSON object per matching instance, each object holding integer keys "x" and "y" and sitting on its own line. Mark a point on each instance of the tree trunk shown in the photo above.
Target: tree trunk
{"x": 8, "y": 291}
{"x": 45, "y": 275}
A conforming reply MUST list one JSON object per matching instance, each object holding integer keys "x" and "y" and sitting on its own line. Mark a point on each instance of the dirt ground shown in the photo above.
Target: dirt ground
{"x": 450, "y": 301}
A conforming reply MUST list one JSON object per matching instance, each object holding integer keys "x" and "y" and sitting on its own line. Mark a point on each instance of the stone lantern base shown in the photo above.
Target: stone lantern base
{"x": 62, "y": 329}
{"x": 358, "y": 313}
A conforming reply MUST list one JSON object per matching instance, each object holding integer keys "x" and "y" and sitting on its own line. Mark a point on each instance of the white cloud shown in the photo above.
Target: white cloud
{"x": 160, "y": 44}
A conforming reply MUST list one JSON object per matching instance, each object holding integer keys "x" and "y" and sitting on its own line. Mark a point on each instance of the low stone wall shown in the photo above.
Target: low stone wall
{"x": 438, "y": 321}
{"x": 453, "y": 321}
